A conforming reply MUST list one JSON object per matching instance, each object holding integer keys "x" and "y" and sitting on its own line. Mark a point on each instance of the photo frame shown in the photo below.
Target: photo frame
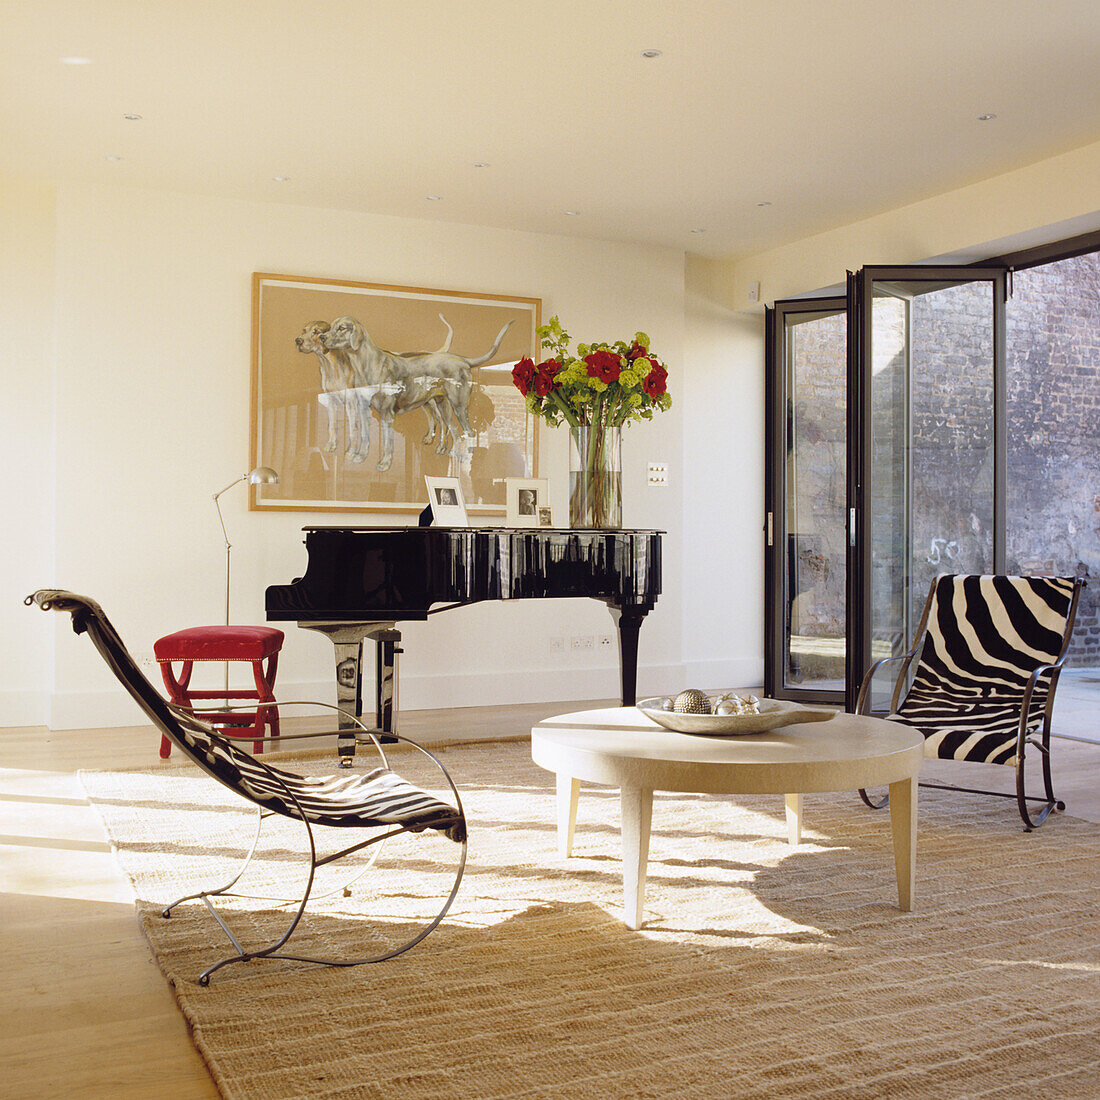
{"x": 528, "y": 502}
{"x": 446, "y": 501}
{"x": 352, "y": 420}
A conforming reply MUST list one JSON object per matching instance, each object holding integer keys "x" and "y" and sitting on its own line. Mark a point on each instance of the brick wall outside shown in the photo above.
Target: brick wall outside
{"x": 1053, "y": 428}
{"x": 1054, "y": 432}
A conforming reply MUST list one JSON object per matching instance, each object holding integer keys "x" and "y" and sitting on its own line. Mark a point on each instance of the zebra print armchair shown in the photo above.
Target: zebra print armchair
{"x": 989, "y": 651}
{"x": 378, "y": 801}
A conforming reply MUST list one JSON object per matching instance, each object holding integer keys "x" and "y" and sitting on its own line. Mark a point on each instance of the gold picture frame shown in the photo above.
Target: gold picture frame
{"x": 361, "y": 390}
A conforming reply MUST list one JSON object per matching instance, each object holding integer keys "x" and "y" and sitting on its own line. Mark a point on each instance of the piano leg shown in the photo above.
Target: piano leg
{"x": 629, "y": 622}
{"x": 386, "y": 649}
{"x": 347, "y": 640}
{"x": 349, "y": 695}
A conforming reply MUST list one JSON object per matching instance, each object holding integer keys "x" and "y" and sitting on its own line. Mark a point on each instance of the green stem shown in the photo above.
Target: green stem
{"x": 566, "y": 411}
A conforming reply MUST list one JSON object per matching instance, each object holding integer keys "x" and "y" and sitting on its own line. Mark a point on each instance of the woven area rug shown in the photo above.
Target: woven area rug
{"x": 762, "y": 970}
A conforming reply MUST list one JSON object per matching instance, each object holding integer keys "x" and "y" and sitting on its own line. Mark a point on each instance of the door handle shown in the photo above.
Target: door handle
{"x": 851, "y": 527}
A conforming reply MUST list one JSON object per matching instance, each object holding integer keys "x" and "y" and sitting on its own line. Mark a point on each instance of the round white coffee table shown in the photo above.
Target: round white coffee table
{"x": 621, "y": 747}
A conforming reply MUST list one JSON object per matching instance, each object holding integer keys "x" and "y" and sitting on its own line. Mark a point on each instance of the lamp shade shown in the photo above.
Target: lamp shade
{"x": 263, "y": 475}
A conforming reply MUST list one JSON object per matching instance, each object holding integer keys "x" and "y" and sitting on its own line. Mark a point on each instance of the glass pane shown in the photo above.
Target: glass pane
{"x": 889, "y": 359}
{"x": 814, "y": 580}
{"x": 1053, "y": 507}
{"x": 932, "y": 447}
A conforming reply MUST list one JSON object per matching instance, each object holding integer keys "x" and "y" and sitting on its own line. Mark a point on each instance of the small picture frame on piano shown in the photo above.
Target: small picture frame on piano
{"x": 527, "y": 502}
{"x": 446, "y": 501}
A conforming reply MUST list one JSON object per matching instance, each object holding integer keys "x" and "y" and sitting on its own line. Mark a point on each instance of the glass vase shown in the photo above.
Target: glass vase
{"x": 595, "y": 476}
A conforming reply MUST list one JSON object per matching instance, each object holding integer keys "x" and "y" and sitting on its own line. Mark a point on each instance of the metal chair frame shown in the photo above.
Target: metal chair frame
{"x": 175, "y": 722}
{"x": 1053, "y": 670}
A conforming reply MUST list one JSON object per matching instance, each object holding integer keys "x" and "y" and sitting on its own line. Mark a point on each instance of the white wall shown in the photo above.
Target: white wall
{"x": 26, "y": 444}
{"x": 723, "y": 471}
{"x": 152, "y": 413}
{"x": 141, "y": 299}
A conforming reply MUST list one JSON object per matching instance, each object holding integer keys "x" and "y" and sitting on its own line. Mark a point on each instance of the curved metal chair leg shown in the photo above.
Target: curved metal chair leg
{"x": 273, "y": 951}
{"x": 883, "y": 801}
{"x": 1051, "y": 803}
{"x": 166, "y": 912}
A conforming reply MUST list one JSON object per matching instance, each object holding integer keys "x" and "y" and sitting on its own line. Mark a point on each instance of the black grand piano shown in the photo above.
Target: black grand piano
{"x": 360, "y": 582}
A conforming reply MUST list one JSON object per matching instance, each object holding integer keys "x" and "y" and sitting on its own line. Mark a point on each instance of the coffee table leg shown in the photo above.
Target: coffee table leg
{"x": 794, "y": 818}
{"x": 903, "y": 821}
{"x": 568, "y": 791}
{"x": 637, "y": 814}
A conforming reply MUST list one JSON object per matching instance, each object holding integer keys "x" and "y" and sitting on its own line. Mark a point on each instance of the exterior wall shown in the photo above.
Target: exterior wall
{"x": 1054, "y": 431}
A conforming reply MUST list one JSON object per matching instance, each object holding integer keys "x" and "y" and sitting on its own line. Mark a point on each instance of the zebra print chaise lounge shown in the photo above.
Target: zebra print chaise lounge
{"x": 991, "y": 649}
{"x": 379, "y": 801}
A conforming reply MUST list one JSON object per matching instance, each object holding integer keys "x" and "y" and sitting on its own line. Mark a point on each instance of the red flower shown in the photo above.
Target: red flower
{"x": 656, "y": 382}
{"x": 637, "y": 351}
{"x": 604, "y": 365}
{"x": 522, "y": 373}
{"x": 550, "y": 367}
{"x": 544, "y": 383}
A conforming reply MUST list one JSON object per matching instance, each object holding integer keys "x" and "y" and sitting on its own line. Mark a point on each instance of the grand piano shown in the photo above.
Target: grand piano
{"x": 360, "y": 582}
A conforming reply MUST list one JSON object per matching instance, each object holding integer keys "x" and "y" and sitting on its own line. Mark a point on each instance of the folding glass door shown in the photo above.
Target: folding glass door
{"x": 806, "y": 542}
{"x": 885, "y": 466}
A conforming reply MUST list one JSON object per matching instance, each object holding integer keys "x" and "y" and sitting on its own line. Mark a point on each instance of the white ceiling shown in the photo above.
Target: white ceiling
{"x": 829, "y": 110}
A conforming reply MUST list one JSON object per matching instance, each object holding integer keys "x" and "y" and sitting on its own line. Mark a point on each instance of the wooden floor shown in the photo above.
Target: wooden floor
{"x": 86, "y": 1012}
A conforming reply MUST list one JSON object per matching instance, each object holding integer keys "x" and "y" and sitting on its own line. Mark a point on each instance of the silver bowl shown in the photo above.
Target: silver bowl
{"x": 773, "y": 713}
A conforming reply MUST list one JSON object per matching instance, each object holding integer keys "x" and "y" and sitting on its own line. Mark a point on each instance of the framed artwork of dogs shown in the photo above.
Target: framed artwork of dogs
{"x": 361, "y": 390}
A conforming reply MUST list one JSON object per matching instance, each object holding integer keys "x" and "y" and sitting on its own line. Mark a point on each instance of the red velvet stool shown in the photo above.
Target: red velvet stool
{"x": 255, "y": 644}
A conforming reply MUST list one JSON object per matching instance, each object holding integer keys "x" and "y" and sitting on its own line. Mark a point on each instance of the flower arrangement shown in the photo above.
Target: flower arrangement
{"x": 595, "y": 392}
{"x": 604, "y": 385}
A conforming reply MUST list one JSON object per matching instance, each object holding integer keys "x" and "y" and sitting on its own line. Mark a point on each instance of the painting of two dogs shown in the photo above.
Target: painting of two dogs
{"x": 357, "y": 377}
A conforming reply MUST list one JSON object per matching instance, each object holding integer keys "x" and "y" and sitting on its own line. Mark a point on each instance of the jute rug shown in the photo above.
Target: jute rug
{"x": 762, "y": 971}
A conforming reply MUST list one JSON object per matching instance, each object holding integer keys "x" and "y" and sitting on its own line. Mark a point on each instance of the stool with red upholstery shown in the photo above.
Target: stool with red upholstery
{"x": 259, "y": 645}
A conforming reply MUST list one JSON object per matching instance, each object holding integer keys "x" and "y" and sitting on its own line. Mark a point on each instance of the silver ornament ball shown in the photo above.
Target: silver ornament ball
{"x": 692, "y": 701}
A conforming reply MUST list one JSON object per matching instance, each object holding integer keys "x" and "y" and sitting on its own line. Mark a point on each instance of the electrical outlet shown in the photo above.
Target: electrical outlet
{"x": 582, "y": 641}
{"x": 557, "y": 644}
{"x": 657, "y": 473}
{"x": 147, "y": 662}
{"x": 607, "y": 641}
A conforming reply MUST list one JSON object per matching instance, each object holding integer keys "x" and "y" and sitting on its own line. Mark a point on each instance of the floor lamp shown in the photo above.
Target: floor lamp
{"x": 258, "y": 475}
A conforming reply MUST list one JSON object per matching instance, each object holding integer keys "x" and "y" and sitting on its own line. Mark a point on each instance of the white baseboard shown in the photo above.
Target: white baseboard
{"x": 23, "y": 708}
{"x": 98, "y": 710}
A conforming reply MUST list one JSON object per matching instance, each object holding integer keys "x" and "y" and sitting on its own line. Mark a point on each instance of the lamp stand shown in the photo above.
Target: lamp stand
{"x": 228, "y": 548}
{"x": 260, "y": 475}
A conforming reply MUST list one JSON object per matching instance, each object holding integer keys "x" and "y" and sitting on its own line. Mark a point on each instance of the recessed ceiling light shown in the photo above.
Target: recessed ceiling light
{"x": 112, "y": 157}
{"x": 986, "y": 118}
{"x": 571, "y": 213}
{"x": 480, "y": 164}
{"x": 76, "y": 60}
{"x": 698, "y": 231}
{"x": 281, "y": 179}
{"x": 434, "y": 198}
{"x": 651, "y": 54}
{"x": 132, "y": 118}
{"x": 763, "y": 202}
